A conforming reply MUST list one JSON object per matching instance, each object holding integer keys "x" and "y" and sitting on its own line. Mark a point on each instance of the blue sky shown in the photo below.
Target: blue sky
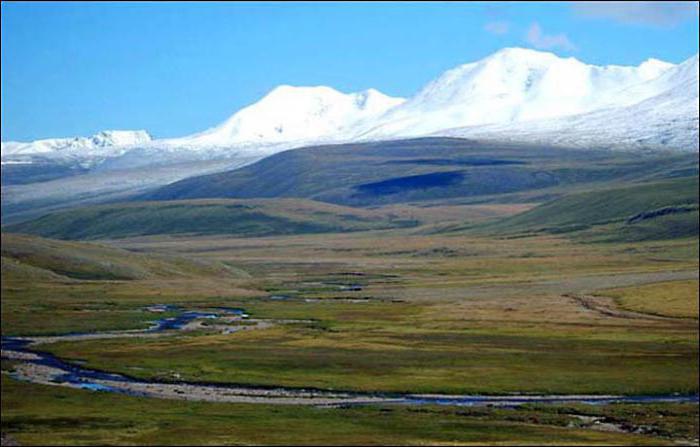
{"x": 73, "y": 69}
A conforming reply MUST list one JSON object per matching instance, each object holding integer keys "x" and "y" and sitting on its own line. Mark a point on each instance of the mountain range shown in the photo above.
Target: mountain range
{"x": 495, "y": 94}
{"x": 512, "y": 96}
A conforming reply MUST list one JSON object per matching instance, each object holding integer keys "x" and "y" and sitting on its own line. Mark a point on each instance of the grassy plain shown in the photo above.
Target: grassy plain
{"x": 43, "y": 415}
{"x": 435, "y": 314}
{"x": 671, "y": 299}
{"x": 450, "y": 313}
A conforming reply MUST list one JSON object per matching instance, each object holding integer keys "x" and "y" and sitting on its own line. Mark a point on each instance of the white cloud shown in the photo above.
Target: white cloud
{"x": 654, "y": 13}
{"x": 498, "y": 28}
{"x": 538, "y": 39}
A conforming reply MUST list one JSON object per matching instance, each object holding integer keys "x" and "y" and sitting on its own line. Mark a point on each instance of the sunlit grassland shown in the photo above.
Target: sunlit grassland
{"x": 387, "y": 347}
{"x": 425, "y": 257}
{"x": 44, "y": 415}
{"x": 417, "y": 268}
{"x": 40, "y": 308}
{"x": 673, "y": 298}
{"x": 440, "y": 314}
{"x": 53, "y": 287}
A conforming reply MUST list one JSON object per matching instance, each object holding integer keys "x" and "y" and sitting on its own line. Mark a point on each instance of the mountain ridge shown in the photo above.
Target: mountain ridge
{"x": 526, "y": 94}
{"x": 512, "y": 85}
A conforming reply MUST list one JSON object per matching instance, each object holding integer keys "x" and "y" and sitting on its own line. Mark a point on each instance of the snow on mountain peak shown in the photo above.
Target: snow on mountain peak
{"x": 661, "y": 112}
{"x": 290, "y": 113}
{"x": 500, "y": 91}
{"x": 521, "y": 54}
{"x": 374, "y": 101}
{"x": 652, "y": 68}
{"x": 515, "y": 85}
{"x": 120, "y": 137}
{"x": 102, "y": 143}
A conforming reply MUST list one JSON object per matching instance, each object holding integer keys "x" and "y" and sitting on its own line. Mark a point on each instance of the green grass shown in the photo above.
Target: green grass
{"x": 29, "y": 257}
{"x": 661, "y": 419}
{"x": 235, "y": 217}
{"x": 616, "y": 209}
{"x": 672, "y": 299}
{"x": 43, "y": 415}
{"x": 447, "y": 313}
{"x": 53, "y": 308}
{"x": 396, "y": 348}
{"x": 54, "y": 287}
{"x": 681, "y": 225}
{"x": 345, "y": 174}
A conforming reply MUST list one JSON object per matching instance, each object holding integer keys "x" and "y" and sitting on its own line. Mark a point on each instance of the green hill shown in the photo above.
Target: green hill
{"x": 426, "y": 169}
{"x": 198, "y": 217}
{"x": 655, "y": 210}
{"x": 35, "y": 258}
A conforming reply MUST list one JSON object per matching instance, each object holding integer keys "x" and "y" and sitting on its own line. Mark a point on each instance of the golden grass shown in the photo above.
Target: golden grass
{"x": 671, "y": 298}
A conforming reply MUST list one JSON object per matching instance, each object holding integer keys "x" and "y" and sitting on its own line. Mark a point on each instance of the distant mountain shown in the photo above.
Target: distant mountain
{"x": 286, "y": 117}
{"x": 108, "y": 143}
{"x": 667, "y": 118}
{"x": 490, "y": 97}
{"x": 516, "y": 85}
{"x": 516, "y": 96}
{"x": 288, "y": 114}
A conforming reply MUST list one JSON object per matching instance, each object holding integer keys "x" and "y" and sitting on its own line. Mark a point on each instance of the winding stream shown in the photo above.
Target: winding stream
{"x": 33, "y": 365}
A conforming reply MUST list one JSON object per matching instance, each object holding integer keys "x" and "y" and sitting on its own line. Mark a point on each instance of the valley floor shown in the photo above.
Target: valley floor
{"x": 389, "y": 311}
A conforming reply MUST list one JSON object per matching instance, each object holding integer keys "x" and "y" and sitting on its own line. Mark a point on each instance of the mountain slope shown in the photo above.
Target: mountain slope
{"x": 289, "y": 114}
{"x": 667, "y": 119}
{"x": 516, "y": 85}
{"x": 422, "y": 170}
{"x": 650, "y": 210}
{"x": 517, "y": 96}
{"x": 233, "y": 217}
{"x": 24, "y": 201}
{"x": 32, "y": 257}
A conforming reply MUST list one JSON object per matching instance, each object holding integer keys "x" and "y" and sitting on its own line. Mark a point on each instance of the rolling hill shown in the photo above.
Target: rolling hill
{"x": 233, "y": 217}
{"x": 31, "y": 257}
{"x": 425, "y": 169}
{"x": 652, "y": 210}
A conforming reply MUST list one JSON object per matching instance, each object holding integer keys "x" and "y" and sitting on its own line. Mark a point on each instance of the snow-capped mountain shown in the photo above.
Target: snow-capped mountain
{"x": 514, "y": 95}
{"x": 666, "y": 117}
{"x": 286, "y": 117}
{"x": 289, "y": 114}
{"x": 105, "y": 143}
{"x": 490, "y": 98}
{"x": 516, "y": 85}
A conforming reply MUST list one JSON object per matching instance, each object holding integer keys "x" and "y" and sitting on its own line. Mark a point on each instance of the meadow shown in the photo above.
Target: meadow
{"x": 44, "y": 415}
{"x": 425, "y": 314}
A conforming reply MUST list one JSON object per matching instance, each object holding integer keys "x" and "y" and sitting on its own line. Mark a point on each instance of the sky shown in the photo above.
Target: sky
{"x": 173, "y": 69}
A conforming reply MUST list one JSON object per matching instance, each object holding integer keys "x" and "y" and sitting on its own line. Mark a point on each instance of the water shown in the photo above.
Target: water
{"x": 513, "y": 401}
{"x": 82, "y": 377}
{"x": 178, "y": 322}
{"x": 232, "y": 310}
